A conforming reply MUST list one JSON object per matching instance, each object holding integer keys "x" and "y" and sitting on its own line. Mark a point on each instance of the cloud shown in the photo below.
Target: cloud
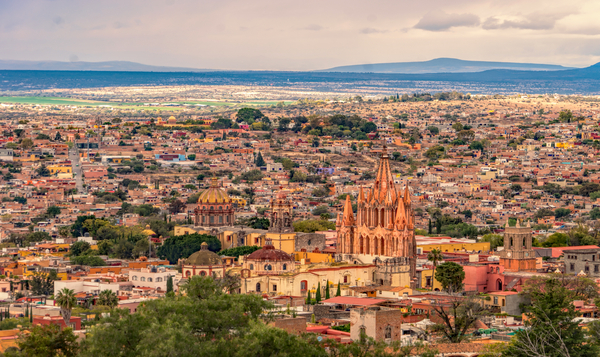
{"x": 438, "y": 20}
{"x": 530, "y": 22}
{"x": 370, "y": 30}
{"x": 313, "y": 27}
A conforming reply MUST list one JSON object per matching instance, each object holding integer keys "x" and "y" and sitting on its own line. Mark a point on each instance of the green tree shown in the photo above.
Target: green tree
{"x": 47, "y": 341}
{"x": 338, "y": 292}
{"x": 551, "y": 328}
{"x": 108, "y": 298}
{"x": 181, "y": 247}
{"x": 79, "y": 248}
{"x": 311, "y": 226}
{"x": 65, "y": 299}
{"x": 435, "y": 256}
{"x": 556, "y": 240}
{"x": 318, "y": 293}
{"x": 42, "y": 283}
{"x": 565, "y": 116}
{"x": 259, "y": 162}
{"x": 42, "y": 171}
{"x": 239, "y": 251}
{"x": 561, "y": 212}
{"x": 457, "y": 314}
{"x": 451, "y": 276}
{"x": 434, "y": 130}
{"x": 327, "y": 290}
{"x": 495, "y": 240}
{"x": 170, "y": 284}
{"x": 249, "y": 115}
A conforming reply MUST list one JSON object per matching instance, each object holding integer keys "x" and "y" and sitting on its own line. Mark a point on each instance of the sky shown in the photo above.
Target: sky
{"x": 299, "y": 35}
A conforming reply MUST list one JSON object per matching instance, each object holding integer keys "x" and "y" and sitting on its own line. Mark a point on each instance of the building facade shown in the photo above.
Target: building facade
{"x": 215, "y": 208}
{"x": 518, "y": 254}
{"x": 281, "y": 215}
{"x": 383, "y": 228}
{"x": 586, "y": 261}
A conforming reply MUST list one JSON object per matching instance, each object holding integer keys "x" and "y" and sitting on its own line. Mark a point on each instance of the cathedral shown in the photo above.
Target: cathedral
{"x": 383, "y": 230}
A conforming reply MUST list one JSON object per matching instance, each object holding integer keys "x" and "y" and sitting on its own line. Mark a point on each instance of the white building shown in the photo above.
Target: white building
{"x": 153, "y": 277}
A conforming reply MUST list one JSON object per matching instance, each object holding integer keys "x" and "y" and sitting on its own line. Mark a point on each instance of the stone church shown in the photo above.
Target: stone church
{"x": 383, "y": 231}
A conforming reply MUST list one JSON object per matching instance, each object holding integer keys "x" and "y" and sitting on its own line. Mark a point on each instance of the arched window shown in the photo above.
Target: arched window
{"x": 134, "y": 278}
{"x": 388, "y": 332}
{"x": 202, "y": 273}
{"x": 251, "y": 266}
{"x": 258, "y": 290}
{"x": 188, "y": 274}
{"x": 220, "y": 208}
{"x": 159, "y": 280}
{"x": 524, "y": 245}
{"x": 303, "y": 285}
{"x": 268, "y": 267}
{"x": 284, "y": 267}
{"x": 212, "y": 208}
{"x": 149, "y": 280}
{"x": 143, "y": 278}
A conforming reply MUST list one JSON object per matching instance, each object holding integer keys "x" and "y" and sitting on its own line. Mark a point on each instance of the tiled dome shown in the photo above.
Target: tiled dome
{"x": 203, "y": 257}
{"x": 214, "y": 194}
{"x": 269, "y": 253}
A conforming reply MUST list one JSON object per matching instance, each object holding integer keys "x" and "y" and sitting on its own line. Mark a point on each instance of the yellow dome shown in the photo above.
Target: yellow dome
{"x": 172, "y": 118}
{"x": 214, "y": 194}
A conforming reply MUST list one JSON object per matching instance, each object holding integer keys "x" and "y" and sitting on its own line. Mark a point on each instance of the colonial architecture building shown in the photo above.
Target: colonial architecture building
{"x": 518, "y": 254}
{"x": 215, "y": 208}
{"x": 281, "y": 215}
{"x": 382, "y": 231}
{"x": 203, "y": 263}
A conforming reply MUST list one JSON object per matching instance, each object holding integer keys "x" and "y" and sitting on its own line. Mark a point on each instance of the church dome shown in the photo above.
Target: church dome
{"x": 172, "y": 119}
{"x": 269, "y": 253}
{"x": 214, "y": 194}
{"x": 203, "y": 257}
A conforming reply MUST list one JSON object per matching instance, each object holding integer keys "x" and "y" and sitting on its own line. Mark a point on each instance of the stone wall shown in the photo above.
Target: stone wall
{"x": 309, "y": 242}
{"x": 292, "y": 325}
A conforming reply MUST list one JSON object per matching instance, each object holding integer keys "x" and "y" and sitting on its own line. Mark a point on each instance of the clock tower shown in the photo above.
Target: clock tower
{"x": 518, "y": 253}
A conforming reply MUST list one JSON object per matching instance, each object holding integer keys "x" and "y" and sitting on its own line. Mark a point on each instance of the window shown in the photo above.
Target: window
{"x": 258, "y": 290}
{"x": 345, "y": 278}
{"x": 587, "y": 268}
{"x": 303, "y": 285}
{"x": 572, "y": 267}
{"x": 134, "y": 278}
{"x": 143, "y": 278}
{"x": 188, "y": 273}
{"x": 388, "y": 332}
{"x": 227, "y": 219}
{"x": 220, "y": 219}
{"x": 274, "y": 287}
{"x": 495, "y": 300}
{"x": 284, "y": 267}
{"x": 595, "y": 268}
{"x": 212, "y": 219}
{"x": 158, "y": 280}
{"x": 149, "y": 280}
{"x": 251, "y": 266}
{"x": 202, "y": 273}
{"x": 268, "y": 267}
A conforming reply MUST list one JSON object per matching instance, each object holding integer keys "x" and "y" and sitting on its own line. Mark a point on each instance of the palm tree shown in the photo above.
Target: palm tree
{"x": 108, "y": 298}
{"x": 66, "y": 300}
{"x": 434, "y": 256}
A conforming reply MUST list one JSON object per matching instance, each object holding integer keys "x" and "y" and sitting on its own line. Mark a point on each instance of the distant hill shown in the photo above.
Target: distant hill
{"x": 443, "y": 65}
{"x": 118, "y": 66}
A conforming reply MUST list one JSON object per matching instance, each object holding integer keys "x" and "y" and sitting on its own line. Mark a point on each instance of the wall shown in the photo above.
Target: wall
{"x": 374, "y": 321}
{"x": 309, "y": 242}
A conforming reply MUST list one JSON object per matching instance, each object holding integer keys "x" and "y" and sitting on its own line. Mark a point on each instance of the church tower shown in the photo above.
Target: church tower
{"x": 281, "y": 215}
{"x": 518, "y": 254}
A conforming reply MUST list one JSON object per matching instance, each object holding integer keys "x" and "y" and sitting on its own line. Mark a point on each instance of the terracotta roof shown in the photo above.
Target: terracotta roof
{"x": 269, "y": 253}
{"x": 348, "y": 300}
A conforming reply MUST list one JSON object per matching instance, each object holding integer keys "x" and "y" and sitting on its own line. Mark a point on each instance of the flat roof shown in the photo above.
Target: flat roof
{"x": 356, "y": 301}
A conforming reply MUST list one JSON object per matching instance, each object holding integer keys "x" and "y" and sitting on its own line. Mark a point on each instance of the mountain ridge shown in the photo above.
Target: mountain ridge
{"x": 442, "y": 65}
{"x": 118, "y": 66}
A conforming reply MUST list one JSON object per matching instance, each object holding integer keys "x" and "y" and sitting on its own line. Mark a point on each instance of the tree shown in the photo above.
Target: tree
{"x": 248, "y": 115}
{"x": 79, "y": 248}
{"x": 565, "y": 116}
{"x": 434, "y": 130}
{"x": 26, "y": 143}
{"x": 457, "y": 127}
{"x": 108, "y": 298}
{"x": 311, "y": 226}
{"x": 320, "y": 210}
{"x": 561, "y": 212}
{"x": 556, "y": 240}
{"x": 327, "y": 290}
{"x": 176, "y": 206}
{"x": 308, "y": 298}
{"x": 495, "y": 240}
{"x": 338, "y": 292}
{"x": 43, "y": 283}
{"x": 318, "y": 293}
{"x": 170, "y": 284}
{"x": 259, "y": 162}
{"x": 181, "y": 247}
{"x": 451, "y": 276}
{"x": 66, "y": 300}
{"x": 458, "y": 314}
{"x": 551, "y": 328}
{"x": 42, "y": 171}
{"x": 434, "y": 256}
{"x": 48, "y": 341}
{"x": 239, "y": 251}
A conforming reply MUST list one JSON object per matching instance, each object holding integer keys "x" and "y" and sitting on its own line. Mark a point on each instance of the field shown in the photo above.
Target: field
{"x": 49, "y": 101}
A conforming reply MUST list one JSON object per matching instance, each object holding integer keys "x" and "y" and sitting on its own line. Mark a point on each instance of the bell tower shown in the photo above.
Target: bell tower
{"x": 518, "y": 254}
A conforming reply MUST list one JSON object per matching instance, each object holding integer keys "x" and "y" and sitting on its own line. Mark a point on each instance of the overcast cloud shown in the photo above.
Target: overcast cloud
{"x": 299, "y": 35}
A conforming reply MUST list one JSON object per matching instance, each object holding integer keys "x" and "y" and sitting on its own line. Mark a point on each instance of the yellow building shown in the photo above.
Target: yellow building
{"x": 61, "y": 171}
{"x": 426, "y": 277}
{"x": 312, "y": 258}
{"x": 455, "y": 247}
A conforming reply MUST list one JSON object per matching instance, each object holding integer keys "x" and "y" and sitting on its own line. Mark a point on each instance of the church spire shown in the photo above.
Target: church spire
{"x": 361, "y": 195}
{"x": 348, "y": 219}
{"x": 384, "y": 180}
{"x": 400, "y": 215}
{"x": 407, "y": 200}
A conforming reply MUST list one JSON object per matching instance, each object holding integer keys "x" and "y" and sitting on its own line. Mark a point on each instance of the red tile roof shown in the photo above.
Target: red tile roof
{"x": 348, "y": 300}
